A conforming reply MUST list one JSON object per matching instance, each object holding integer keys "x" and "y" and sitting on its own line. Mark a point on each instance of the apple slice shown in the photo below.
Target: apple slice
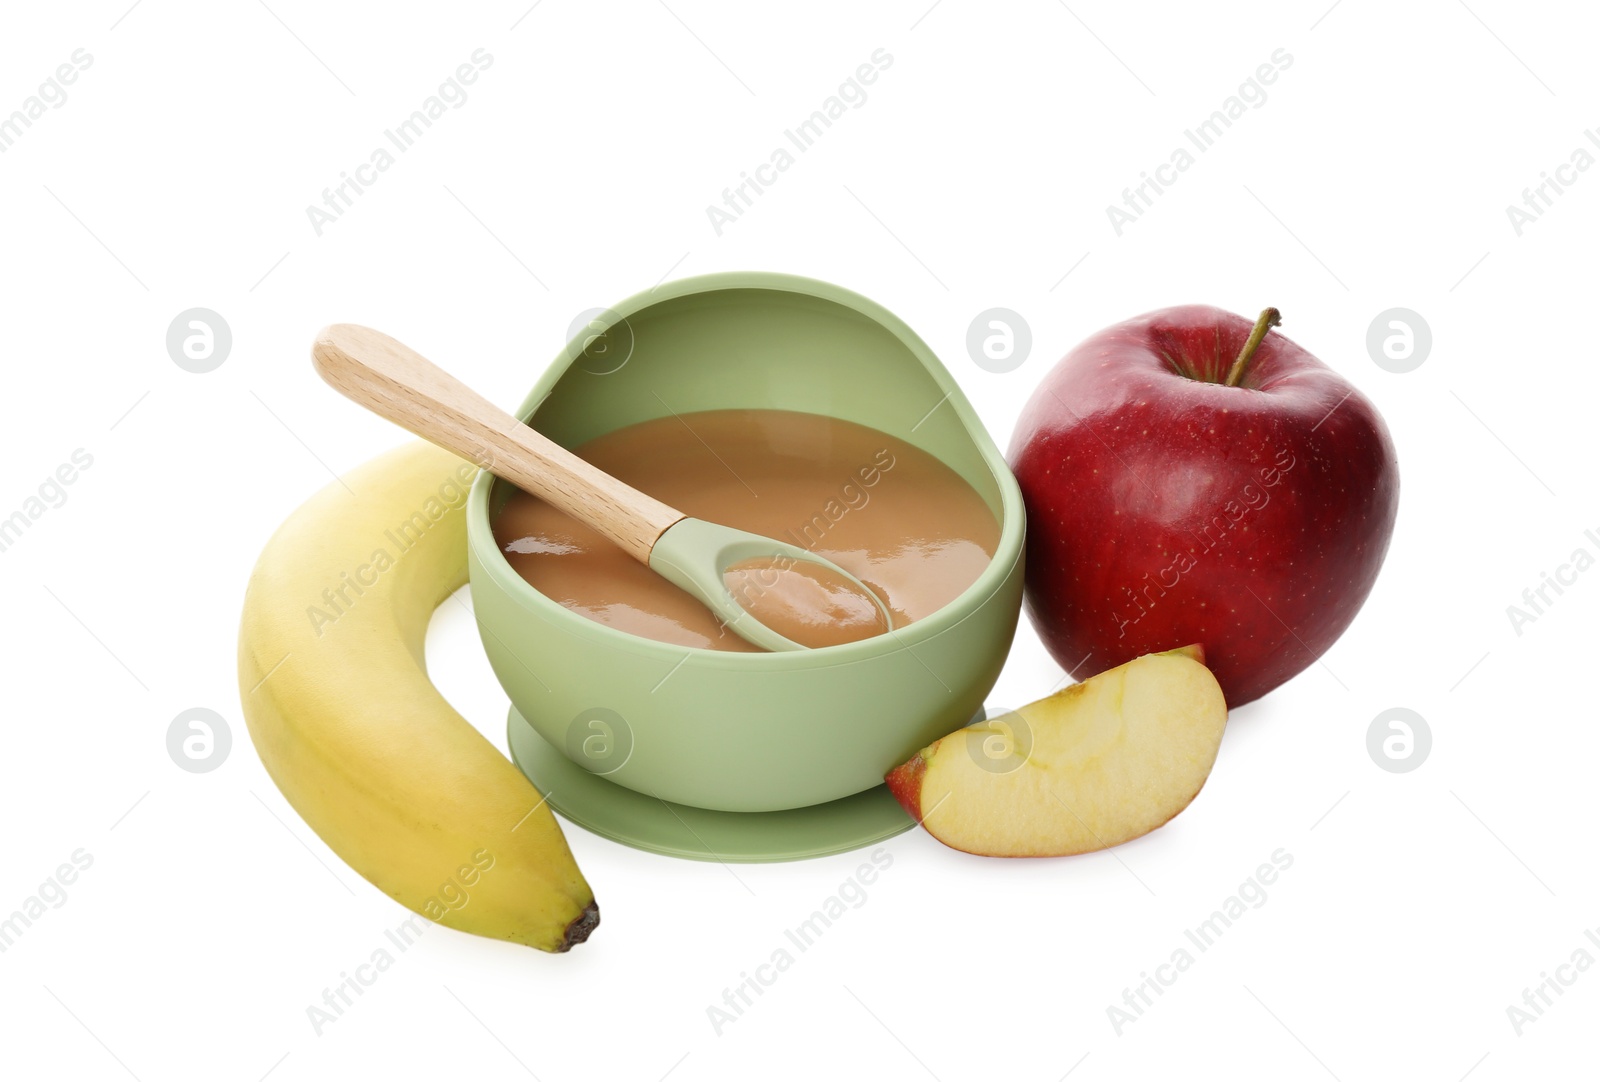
{"x": 1092, "y": 766}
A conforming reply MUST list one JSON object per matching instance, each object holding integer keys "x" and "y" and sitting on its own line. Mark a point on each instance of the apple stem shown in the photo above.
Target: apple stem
{"x": 1268, "y": 319}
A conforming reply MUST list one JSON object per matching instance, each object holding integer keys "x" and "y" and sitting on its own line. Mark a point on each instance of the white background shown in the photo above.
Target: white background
{"x": 1377, "y": 174}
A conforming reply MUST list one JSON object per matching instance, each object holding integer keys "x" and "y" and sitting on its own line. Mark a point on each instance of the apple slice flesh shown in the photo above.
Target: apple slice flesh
{"x": 1092, "y": 766}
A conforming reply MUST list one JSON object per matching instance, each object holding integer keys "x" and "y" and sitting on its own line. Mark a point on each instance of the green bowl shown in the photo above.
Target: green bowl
{"x": 749, "y": 732}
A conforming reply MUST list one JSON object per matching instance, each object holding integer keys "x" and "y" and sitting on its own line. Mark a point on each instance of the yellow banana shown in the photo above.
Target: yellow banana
{"x": 351, "y": 729}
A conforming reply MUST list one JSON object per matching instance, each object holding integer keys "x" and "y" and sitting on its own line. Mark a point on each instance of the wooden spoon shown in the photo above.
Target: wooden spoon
{"x": 399, "y": 384}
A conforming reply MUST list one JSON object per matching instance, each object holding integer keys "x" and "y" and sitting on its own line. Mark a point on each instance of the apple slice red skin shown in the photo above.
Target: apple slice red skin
{"x": 905, "y": 782}
{"x": 1130, "y": 449}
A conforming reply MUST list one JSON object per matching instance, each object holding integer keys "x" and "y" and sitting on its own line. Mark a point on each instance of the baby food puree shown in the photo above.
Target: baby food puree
{"x": 892, "y": 515}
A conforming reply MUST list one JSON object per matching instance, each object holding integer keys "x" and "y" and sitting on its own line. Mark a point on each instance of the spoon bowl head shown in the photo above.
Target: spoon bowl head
{"x": 695, "y": 555}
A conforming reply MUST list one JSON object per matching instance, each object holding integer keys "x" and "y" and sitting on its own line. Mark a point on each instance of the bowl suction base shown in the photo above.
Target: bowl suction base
{"x": 645, "y": 822}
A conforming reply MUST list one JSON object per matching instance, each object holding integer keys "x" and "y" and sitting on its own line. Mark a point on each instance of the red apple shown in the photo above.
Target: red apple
{"x": 1191, "y": 478}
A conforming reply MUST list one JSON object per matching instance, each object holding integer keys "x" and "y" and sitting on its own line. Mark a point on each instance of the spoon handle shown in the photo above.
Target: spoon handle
{"x": 399, "y": 384}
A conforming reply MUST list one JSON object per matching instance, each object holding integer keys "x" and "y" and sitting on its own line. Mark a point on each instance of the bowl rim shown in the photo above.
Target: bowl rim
{"x": 485, "y": 552}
